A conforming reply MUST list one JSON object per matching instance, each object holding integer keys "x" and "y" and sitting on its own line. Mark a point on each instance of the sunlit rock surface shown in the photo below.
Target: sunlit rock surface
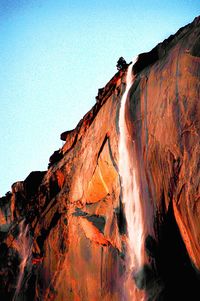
{"x": 74, "y": 232}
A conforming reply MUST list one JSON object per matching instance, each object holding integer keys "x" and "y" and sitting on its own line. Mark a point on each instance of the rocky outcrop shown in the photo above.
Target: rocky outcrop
{"x": 70, "y": 219}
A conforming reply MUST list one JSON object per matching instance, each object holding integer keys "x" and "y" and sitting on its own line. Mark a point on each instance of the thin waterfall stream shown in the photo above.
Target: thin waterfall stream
{"x": 130, "y": 190}
{"x": 24, "y": 249}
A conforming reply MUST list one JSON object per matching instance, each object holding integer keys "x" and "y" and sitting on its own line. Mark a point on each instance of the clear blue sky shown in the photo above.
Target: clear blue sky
{"x": 55, "y": 54}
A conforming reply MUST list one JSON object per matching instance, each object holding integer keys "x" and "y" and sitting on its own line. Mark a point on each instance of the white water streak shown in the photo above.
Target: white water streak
{"x": 103, "y": 182}
{"x": 24, "y": 249}
{"x": 130, "y": 189}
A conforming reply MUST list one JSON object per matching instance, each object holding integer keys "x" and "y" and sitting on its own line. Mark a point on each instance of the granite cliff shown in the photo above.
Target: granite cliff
{"x": 63, "y": 232}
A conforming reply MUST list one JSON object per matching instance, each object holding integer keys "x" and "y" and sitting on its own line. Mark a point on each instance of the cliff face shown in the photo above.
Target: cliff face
{"x": 64, "y": 233}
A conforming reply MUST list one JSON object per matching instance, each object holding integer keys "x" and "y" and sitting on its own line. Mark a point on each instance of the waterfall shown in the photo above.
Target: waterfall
{"x": 24, "y": 249}
{"x": 130, "y": 190}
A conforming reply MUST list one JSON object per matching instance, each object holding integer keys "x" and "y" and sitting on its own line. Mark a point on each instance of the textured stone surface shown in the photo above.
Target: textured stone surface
{"x": 74, "y": 210}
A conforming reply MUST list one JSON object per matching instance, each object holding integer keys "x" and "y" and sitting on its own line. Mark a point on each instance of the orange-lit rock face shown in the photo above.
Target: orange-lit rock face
{"x": 164, "y": 121}
{"x": 104, "y": 178}
{"x": 75, "y": 210}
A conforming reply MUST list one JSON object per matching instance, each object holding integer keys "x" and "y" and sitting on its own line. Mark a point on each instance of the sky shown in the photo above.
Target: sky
{"x": 55, "y": 55}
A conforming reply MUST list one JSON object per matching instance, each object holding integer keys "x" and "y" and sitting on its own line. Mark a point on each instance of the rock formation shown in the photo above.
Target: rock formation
{"x": 63, "y": 232}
